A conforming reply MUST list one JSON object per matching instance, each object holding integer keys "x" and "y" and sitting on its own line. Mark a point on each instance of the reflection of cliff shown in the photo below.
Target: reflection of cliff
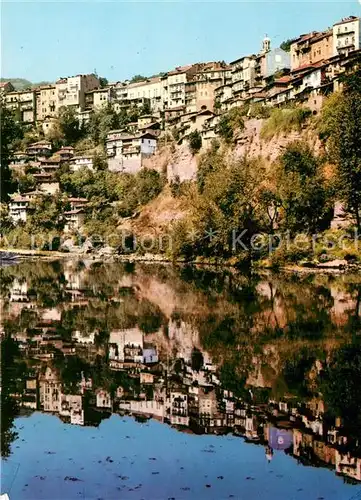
{"x": 205, "y": 352}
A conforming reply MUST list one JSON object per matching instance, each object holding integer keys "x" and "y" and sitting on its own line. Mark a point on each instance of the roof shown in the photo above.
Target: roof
{"x": 205, "y": 112}
{"x": 74, "y": 212}
{"x": 180, "y": 69}
{"x": 283, "y": 79}
{"x": 148, "y": 125}
{"x": 314, "y": 36}
{"x": 177, "y": 108}
{"x": 3, "y": 84}
{"x": 43, "y": 176}
{"x": 19, "y": 198}
{"x": 250, "y": 56}
{"x": 84, "y": 200}
{"x": 305, "y": 67}
{"x": 40, "y": 143}
{"x": 347, "y": 20}
{"x": 137, "y": 136}
{"x": 84, "y": 157}
{"x": 34, "y": 193}
{"x": 66, "y": 150}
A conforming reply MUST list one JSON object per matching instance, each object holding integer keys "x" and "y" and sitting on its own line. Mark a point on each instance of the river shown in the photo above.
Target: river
{"x": 147, "y": 381}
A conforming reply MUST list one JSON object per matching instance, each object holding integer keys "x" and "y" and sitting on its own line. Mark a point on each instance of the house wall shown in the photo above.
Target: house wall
{"x": 318, "y": 49}
{"x": 49, "y": 187}
{"x": 46, "y": 103}
{"x": 276, "y": 60}
{"x": 345, "y": 35}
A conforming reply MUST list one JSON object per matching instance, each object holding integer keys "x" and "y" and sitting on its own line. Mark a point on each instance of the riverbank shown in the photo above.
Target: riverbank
{"x": 334, "y": 266}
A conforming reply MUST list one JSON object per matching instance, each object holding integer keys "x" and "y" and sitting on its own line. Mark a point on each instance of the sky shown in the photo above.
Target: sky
{"x": 46, "y": 40}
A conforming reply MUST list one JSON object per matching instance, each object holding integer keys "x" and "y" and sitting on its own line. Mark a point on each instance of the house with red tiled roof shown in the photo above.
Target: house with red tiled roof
{"x": 6, "y": 87}
{"x": 311, "y": 48}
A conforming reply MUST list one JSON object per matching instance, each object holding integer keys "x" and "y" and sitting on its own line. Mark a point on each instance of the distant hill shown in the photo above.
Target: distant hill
{"x": 22, "y": 83}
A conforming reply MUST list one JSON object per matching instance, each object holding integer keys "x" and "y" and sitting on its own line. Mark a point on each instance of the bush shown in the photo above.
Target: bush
{"x": 230, "y": 122}
{"x": 195, "y": 141}
{"x": 258, "y": 110}
{"x": 283, "y": 120}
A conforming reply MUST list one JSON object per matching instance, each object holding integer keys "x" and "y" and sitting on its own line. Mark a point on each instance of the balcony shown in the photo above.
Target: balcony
{"x": 350, "y": 31}
{"x": 131, "y": 150}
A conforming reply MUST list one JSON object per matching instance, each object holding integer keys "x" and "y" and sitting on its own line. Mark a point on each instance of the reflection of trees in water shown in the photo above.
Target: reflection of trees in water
{"x": 11, "y": 370}
{"x": 340, "y": 385}
{"x": 283, "y": 321}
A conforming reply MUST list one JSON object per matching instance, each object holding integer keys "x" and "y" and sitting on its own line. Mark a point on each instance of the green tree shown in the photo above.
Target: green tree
{"x": 10, "y": 131}
{"x": 137, "y": 78}
{"x": 195, "y": 141}
{"x": 345, "y": 144}
{"x": 148, "y": 185}
{"x": 145, "y": 109}
{"x": 5, "y": 221}
{"x": 229, "y": 123}
{"x": 286, "y": 45}
{"x": 103, "y": 81}
{"x": 46, "y": 212}
{"x": 302, "y": 190}
{"x": 101, "y": 122}
{"x": 67, "y": 130}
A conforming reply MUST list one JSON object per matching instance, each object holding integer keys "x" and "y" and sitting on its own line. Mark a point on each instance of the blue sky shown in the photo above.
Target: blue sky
{"x": 46, "y": 40}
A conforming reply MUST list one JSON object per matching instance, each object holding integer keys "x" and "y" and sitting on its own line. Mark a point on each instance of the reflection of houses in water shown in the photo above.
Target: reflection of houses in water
{"x": 152, "y": 408}
{"x": 72, "y": 408}
{"x": 127, "y": 346}
{"x": 348, "y": 465}
{"x": 50, "y": 314}
{"x": 179, "y": 409}
{"x": 50, "y": 391}
{"x": 68, "y": 406}
{"x": 30, "y": 396}
{"x": 146, "y": 378}
{"x": 150, "y": 355}
{"x": 75, "y": 283}
{"x": 84, "y": 337}
{"x": 19, "y": 291}
{"x": 103, "y": 399}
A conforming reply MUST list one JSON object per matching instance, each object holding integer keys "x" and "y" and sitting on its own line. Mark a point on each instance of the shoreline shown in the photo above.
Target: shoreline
{"x": 24, "y": 253}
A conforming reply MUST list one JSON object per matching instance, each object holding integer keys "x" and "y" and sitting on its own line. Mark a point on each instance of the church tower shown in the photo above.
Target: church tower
{"x": 266, "y": 45}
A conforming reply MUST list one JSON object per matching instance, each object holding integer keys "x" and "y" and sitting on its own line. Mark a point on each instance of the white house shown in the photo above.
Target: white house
{"x": 83, "y": 161}
{"x": 346, "y": 35}
{"x": 18, "y": 208}
{"x": 126, "y": 151}
{"x": 74, "y": 220}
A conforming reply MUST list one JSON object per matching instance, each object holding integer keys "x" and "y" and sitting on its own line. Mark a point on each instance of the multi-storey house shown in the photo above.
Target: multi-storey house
{"x": 346, "y": 36}
{"x": 311, "y": 48}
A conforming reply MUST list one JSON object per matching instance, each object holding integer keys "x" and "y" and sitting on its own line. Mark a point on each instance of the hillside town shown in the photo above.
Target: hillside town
{"x": 155, "y": 375}
{"x": 188, "y": 100}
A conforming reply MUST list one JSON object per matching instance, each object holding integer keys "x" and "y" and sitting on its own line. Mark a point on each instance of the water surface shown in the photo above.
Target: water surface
{"x": 148, "y": 381}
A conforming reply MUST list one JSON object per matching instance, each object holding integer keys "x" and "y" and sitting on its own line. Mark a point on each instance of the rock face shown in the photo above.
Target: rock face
{"x": 177, "y": 160}
{"x": 250, "y": 143}
{"x": 183, "y": 165}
